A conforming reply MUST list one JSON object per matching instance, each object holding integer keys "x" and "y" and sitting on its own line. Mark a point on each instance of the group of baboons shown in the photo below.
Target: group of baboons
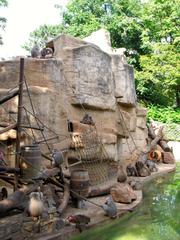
{"x": 43, "y": 53}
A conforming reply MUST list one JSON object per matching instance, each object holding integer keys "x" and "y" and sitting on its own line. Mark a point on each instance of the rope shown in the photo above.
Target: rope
{"x": 83, "y": 108}
{"x": 128, "y": 131}
{"x": 30, "y": 126}
{"x": 13, "y": 88}
{"x": 35, "y": 114}
{"x": 40, "y": 121}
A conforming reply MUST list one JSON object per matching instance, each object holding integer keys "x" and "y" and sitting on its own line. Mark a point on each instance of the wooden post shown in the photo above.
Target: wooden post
{"x": 19, "y": 118}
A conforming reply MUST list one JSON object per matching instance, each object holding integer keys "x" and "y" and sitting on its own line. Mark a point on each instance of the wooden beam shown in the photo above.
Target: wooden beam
{"x": 12, "y": 126}
{"x": 9, "y": 170}
{"x": 9, "y": 96}
{"x": 5, "y": 124}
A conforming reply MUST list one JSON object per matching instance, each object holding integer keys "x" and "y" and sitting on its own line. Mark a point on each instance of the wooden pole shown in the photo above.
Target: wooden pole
{"x": 9, "y": 170}
{"x": 19, "y": 118}
{"x": 9, "y": 96}
{"x": 12, "y": 126}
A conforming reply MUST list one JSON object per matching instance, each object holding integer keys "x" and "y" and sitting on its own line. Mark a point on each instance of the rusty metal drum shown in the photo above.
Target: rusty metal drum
{"x": 30, "y": 162}
{"x": 79, "y": 182}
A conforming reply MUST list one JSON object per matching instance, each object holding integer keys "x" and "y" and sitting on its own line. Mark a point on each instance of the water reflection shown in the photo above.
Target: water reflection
{"x": 158, "y": 218}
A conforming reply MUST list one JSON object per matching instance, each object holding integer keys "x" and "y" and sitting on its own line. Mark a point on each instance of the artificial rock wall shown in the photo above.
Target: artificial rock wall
{"x": 82, "y": 77}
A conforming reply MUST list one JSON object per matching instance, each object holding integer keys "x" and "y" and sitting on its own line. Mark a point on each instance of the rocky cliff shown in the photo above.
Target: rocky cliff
{"x": 82, "y": 78}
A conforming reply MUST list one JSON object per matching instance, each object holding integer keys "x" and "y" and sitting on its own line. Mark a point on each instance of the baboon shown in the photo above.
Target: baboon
{"x": 3, "y": 193}
{"x": 35, "y": 52}
{"x": 80, "y": 220}
{"x": 36, "y": 205}
{"x": 131, "y": 170}
{"x": 135, "y": 184}
{"x": 46, "y": 52}
{"x": 110, "y": 207}
{"x": 57, "y": 157}
{"x": 142, "y": 169}
{"x": 151, "y": 165}
{"x": 87, "y": 119}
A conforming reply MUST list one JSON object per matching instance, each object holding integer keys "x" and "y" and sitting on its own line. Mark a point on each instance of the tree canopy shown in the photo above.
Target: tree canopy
{"x": 3, "y": 3}
{"x": 158, "y": 80}
{"x": 147, "y": 29}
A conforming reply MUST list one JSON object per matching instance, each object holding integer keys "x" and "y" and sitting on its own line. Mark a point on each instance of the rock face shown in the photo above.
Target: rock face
{"x": 81, "y": 78}
{"x": 94, "y": 86}
{"x": 122, "y": 193}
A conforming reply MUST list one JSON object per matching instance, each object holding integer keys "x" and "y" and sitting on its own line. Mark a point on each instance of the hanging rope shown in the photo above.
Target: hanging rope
{"x": 70, "y": 87}
{"x": 124, "y": 130}
{"x": 34, "y": 138}
{"x": 35, "y": 114}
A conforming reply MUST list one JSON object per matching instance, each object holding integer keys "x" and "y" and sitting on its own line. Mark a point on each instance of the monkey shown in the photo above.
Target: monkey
{"x": 131, "y": 170}
{"x": 43, "y": 52}
{"x": 36, "y": 205}
{"x": 46, "y": 52}
{"x": 57, "y": 157}
{"x": 151, "y": 166}
{"x": 36, "y": 208}
{"x": 136, "y": 185}
{"x": 3, "y": 193}
{"x": 110, "y": 207}
{"x": 142, "y": 169}
{"x": 80, "y": 220}
{"x": 87, "y": 119}
{"x": 35, "y": 53}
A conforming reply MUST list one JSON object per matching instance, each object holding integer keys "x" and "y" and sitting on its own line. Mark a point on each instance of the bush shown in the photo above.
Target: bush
{"x": 163, "y": 114}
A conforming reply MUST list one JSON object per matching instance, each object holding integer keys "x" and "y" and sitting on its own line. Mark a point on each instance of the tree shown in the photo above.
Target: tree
{"x": 158, "y": 80}
{"x": 3, "y": 3}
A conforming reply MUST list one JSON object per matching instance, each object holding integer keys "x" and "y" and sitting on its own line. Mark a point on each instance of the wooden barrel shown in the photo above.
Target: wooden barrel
{"x": 79, "y": 182}
{"x": 155, "y": 154}
{"x": 30, "y": 163}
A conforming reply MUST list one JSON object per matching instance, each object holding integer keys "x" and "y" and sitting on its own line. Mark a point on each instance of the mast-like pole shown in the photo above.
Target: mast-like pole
{"x": 19, "y": 118}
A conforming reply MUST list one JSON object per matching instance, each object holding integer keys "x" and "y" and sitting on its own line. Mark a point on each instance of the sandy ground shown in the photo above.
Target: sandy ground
{"x": 176, "y": 149}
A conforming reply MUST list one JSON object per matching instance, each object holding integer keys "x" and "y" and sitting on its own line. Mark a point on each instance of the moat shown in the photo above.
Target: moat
{"x": 157, "y": 218}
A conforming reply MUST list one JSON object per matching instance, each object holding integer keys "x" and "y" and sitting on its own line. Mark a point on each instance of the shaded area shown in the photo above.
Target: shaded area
{"x": 157, "y": 218}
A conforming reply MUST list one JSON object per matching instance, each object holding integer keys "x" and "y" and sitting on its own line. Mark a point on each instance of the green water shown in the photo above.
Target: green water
{"x": 158, "y": 218}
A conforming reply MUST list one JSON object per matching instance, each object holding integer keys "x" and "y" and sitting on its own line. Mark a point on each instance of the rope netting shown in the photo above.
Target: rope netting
{"x": 93, "y": 157}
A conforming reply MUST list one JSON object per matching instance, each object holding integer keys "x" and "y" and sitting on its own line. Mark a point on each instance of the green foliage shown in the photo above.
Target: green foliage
{"x": 163, "y": 114}
{"x": 3, "y": 3}
{"x": 158, "y": 79}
